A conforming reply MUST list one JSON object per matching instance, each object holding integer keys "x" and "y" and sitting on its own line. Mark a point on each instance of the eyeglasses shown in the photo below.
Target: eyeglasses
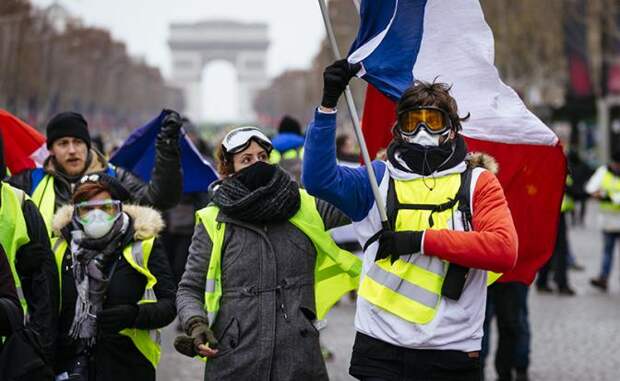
{"x": 240, "y": 138}
{"x": 111, "y": 207}
{"x": 435, "y": 120}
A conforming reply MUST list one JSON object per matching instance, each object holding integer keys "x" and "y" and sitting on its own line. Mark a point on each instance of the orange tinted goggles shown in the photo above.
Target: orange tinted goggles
{"x": 434, "y": 119}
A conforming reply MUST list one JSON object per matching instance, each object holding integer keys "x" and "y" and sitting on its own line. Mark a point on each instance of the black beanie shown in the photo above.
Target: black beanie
{"x": 67, "y": 124}
{"x": 289, "y": 124}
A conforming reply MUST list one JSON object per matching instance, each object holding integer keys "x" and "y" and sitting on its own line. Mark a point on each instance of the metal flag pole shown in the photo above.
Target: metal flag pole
{"x": 355, "y": 118}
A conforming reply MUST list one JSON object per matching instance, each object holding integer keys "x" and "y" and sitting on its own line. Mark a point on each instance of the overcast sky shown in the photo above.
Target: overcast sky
{"x": 295, "y": 28}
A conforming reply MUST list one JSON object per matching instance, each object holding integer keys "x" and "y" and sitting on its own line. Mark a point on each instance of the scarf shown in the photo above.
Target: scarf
{"x": 425, "y": 160}
{"x": 93, "y": 260}
{"x": 274, "y": 198}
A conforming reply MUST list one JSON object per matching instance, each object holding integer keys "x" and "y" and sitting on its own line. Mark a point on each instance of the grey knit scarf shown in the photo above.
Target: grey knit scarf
{"x": 91, "y": 260}
{"x": 277, "y": 201}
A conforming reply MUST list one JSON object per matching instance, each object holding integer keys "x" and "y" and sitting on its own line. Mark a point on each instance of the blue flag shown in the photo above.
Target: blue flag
{"x": 137, "y": 155}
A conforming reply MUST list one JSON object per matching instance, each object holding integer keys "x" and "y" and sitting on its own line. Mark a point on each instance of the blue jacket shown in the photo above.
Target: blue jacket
{"x": 286, "y": 141}
{"x": 346, "y": 188}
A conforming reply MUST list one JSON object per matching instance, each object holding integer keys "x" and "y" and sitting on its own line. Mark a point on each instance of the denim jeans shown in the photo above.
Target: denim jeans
{"x": 508, "y": 302}
{"x": 609, "y": 242}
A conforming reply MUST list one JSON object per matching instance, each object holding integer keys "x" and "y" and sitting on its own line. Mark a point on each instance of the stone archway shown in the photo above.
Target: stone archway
{"x": 194, "y": 45}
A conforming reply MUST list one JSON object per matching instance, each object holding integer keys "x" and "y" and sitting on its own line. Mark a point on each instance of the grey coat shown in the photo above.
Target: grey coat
{"x": 264, "y": 324}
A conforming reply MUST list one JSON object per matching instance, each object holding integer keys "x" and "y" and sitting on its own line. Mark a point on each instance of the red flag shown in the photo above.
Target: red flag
{"x": 530, "y": 176}
{"x": 24, "y": 147}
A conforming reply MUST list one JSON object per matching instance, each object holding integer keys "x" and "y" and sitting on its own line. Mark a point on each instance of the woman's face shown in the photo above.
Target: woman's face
{"x": 249, "y": 156}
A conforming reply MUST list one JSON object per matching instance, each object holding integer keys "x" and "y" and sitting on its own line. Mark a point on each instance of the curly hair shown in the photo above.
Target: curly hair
{"x": 434, "y": 93}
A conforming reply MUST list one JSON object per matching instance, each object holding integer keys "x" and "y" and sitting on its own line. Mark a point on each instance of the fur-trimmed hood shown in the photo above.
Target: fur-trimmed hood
{"x": 147, "y": 222}
{"x": 483, "y": 160}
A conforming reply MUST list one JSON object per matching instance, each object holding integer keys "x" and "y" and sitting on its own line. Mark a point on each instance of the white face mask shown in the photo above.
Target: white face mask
{"x": 99, "y": 223}
{"x": 423, "y": 138}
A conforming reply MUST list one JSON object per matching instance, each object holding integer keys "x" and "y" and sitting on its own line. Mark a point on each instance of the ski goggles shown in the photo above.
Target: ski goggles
{"x": 111, "y": 207}
{"x": 435, "y": 120}
{"x": 240, "y": 138}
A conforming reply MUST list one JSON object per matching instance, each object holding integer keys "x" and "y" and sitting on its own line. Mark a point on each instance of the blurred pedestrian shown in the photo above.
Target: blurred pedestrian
{"x": 604, "y": 185}
{"x": 72, "y": 156}
{"x": 288, "y": 147}
{"x": 117, "y": 287}
{"x": 421, "y": 301}
{"x": 580, "y": 173}
{"x": 270, "y": 266}
{"x": 558, "y": 262}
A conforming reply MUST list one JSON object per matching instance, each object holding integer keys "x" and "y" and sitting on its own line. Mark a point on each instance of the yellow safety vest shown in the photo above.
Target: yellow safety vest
{"x": 276, "y": 156}
{"x": 13, "y": 230}
{"x": 336, "y": 271}
{"x": 148, "y": 342}
{"x": 568, "y": 204}
{"x": 410, "y": 288}
{"x": 44, "y": 197}
{"x": 610, "y": 184}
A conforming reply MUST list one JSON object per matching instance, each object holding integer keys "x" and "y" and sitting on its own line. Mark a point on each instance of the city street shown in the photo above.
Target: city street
{"x": 573, "y": 338}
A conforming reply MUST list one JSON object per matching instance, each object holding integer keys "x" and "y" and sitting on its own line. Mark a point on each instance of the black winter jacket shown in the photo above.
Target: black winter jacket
{"x": 162, "y": 192}
{"x": 40, "y": 287}
{"x": 115, "y": 357}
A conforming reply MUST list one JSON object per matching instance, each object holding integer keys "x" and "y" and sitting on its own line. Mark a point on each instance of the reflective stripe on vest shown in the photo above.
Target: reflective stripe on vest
{"x": 410, "y": 288}
{"x": 13, "y": 230}
{"x": 336, "y": 271}
{"x": 610, "y": 184}
{"x": 44, "y": 197}
{"x": 148, "y": 342}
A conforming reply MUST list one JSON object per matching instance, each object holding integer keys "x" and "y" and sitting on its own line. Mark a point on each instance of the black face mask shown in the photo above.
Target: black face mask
{"x": 425, "y": 160}
{"x": 256, "y": 175}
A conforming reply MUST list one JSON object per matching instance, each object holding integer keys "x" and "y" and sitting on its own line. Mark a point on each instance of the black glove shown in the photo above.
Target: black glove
{"x": 31, "y": 258}
{"x": 117, "y": 318}
{"x": 336, "y": 77}
{"x": 394, "y": 244}
{"x": 170, "y": 127}
{"x": 199, "y": 334}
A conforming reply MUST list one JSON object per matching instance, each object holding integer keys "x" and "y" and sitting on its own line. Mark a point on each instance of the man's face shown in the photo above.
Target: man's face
{"x": 70, "y": 153}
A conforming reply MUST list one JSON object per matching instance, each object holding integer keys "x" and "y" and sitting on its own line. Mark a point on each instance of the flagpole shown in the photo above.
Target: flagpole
{"x": 355, "y": 119}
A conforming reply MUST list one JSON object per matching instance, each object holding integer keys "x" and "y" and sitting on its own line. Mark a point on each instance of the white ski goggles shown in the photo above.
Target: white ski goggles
{"x": 240, "y": 138}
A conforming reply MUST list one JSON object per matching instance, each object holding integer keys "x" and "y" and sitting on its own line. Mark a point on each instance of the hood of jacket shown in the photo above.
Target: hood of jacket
{"x": 286, "y": 141}
{"x": 482, "y": 160}
{"x": 97, "y": 163}
{"x": 147, "y": 222}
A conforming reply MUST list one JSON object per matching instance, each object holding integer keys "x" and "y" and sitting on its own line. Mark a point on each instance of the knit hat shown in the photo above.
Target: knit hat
{"x": 290, "y": 125}
{"x": 67, "y": 124}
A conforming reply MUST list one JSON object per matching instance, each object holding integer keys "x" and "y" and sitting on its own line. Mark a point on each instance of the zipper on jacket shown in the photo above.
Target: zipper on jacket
{"x": 280, "y": 293}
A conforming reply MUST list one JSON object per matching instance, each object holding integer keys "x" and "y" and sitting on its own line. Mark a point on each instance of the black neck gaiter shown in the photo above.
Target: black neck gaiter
{"x": 425, "y": 160}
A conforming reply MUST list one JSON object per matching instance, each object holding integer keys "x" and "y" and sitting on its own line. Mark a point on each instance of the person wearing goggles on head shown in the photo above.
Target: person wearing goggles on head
{"x": 422, "y": 296}
{"x": 270, "y": 266}
{"x": 117, "y": 289}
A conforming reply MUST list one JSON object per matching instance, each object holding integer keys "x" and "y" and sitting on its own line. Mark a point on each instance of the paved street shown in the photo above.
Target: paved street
{"x": 573, "y": 338}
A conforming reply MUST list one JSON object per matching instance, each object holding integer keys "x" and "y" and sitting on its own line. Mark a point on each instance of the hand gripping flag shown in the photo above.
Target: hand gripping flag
{"x": 137, "y": 154}
{"x": 24, "y": 147}
{"x": 400, "y": 41}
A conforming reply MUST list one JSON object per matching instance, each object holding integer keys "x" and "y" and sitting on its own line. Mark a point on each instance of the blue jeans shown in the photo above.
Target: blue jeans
{"x": 508, "y": 302}
{"x": 609, "y": 242}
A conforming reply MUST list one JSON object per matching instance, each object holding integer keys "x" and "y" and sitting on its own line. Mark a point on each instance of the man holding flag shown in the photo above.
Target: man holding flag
{"x": 423, "y": 290}
{"x": 421, "y": 307}
{"x": 71, "y": 157}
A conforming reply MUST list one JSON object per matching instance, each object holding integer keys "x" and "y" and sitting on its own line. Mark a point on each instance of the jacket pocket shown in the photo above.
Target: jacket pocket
{"x": 229, "y": 337}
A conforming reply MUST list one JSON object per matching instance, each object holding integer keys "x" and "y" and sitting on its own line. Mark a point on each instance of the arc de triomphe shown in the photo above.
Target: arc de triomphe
{"x": 194, "y": 45}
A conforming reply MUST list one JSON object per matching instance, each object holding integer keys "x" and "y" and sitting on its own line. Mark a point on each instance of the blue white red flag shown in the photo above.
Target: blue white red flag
{"x": 24, "y": 147}
{"x": 400, "y": 41}
{"x": 137, "y": 154}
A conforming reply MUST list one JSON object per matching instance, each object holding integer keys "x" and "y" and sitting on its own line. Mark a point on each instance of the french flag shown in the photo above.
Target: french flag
{"x": 24, "y": 147}
{"x": 400, "y": 41}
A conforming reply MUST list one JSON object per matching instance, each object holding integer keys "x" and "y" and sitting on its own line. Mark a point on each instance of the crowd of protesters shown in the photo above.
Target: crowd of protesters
{"x": 96, "y": 261}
